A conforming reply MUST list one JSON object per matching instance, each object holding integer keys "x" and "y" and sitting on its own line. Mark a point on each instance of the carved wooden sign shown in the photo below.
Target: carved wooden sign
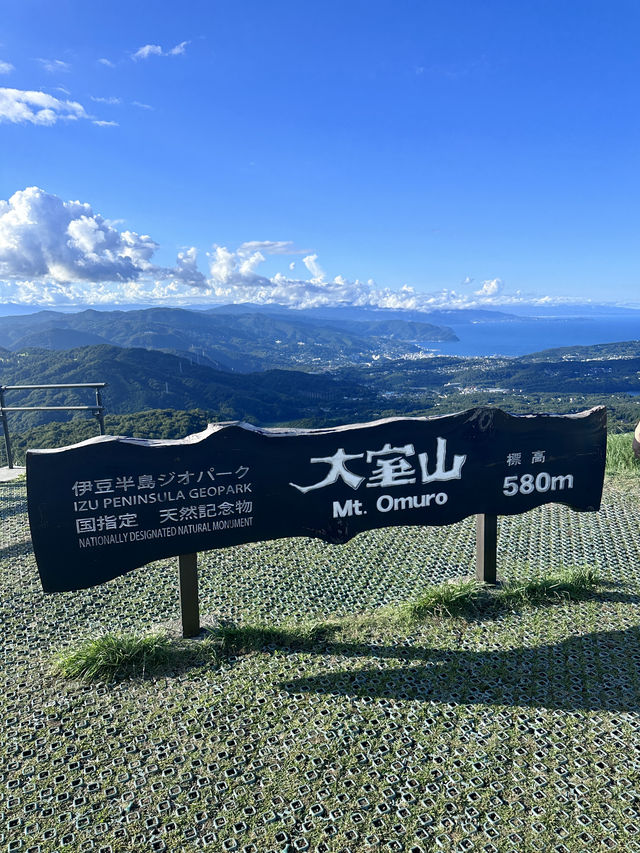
{"x": 105, "y": 506}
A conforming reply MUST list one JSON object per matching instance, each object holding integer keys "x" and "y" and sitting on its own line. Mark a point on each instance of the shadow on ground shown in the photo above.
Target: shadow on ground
{"x": 596, "y": 671}
{"x": 18, "y": 549}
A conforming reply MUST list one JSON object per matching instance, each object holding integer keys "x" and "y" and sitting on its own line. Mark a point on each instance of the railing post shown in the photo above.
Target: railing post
{"x": 100, "y": 412}
{"x": 189, "y": 606}
{"x": 5, "y": 428}
{"x": 487, "y": 548}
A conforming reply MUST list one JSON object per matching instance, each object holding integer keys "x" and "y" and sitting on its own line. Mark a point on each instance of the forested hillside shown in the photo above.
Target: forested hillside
{"x": 141, "y": 379}
{"x": 620, "y": 349}
{"x": 608, "y": 369}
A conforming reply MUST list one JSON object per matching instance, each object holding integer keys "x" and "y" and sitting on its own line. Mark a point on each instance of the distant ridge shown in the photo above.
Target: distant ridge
{"x": 58, "y": 339}
{"x": 368, "y": 314}
{"x": 617, "y": 349}
{"x": 237, "y": 340}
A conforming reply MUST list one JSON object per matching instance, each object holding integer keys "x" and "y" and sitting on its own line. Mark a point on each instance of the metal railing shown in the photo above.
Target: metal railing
{"x": 97, "y": 409}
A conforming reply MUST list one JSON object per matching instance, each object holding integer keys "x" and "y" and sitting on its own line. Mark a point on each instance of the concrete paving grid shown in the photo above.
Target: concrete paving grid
{"x": 96, "y": 768}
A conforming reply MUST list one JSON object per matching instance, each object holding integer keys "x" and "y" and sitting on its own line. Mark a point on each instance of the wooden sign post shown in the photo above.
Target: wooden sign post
{"x": 189, "y": 605}
{"x": 487, "y": 548}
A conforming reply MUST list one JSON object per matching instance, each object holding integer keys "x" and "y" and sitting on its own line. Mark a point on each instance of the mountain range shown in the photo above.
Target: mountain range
{"x": 240, "y": 340}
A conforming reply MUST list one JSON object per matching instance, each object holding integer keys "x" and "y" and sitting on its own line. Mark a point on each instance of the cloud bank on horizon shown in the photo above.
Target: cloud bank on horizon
{"x": 57, "y": 253}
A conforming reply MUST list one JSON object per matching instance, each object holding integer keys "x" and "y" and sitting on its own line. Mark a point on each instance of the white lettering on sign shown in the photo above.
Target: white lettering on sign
{"x": 387, "y": 503}
{"x": 338, "y": 470}
{"x": 526, "y": 484}
{"x": 391, "y": 468}
{"x": 347, "y": 508}
{"x": 126, "y": 490}
{"x": 440, "y": 473}
{"x": 394, "y": 470}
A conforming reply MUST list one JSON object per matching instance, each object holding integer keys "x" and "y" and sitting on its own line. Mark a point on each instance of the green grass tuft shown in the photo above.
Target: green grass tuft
{"x": 573, "y": 583}
{"x": 452, "y": 598}
{"x": 114, "y": 655}
{"x": 469, "y": 597}
{"x": 620, "y": 456}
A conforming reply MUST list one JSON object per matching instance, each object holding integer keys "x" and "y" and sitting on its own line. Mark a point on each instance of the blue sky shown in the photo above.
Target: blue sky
{"x": 424, "y": 154}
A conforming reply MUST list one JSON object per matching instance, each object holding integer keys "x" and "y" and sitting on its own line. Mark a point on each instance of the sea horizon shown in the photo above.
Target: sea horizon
{"x": 525, "y": 336}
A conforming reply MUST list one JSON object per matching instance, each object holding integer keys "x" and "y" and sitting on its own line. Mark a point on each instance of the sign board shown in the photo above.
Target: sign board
{"x": 108, "y": 505}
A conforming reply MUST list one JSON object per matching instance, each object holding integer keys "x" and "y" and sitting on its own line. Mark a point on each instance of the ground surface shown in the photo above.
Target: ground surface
{"x": 7, "y": 474}
{"x": 512, "y": 732}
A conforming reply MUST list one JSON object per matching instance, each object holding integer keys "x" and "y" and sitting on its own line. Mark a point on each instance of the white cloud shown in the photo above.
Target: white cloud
{"x": 105, "y": 100}
{"x": 311, "y": 263}
{"x": 179, "y": 48}
{"x": 492, "y": 287}
{"x": 53, "y": 294}
{"x": 270, "y": 247}
{"x": 6, "y": 67}
{"x": 224, "y": 265}
{"x": 18, "y": 107}
{"x": 57, "y": 252}
{"x": 107, "y": 62}
{"x": 186, "y": 270}
{"x": 234, "y": 277}
{"x": 43, "y": 236}
{"x": 142, "y": 106}
{"x": 148, "y": 50}
{"x": 55, "y": 65}
{"x": 105, "y": 123}
{"x": 250, "y": 263}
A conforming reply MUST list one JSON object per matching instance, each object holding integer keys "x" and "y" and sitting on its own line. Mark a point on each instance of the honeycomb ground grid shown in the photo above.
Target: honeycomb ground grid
{"x": 520, "y": 732}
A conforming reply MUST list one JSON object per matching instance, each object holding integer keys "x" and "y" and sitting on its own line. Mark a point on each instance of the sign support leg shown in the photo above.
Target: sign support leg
{"x": 189, "y": 606}
{"x": 487, "y": 548}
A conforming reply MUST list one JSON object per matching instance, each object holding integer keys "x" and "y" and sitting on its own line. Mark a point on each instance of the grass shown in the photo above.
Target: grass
{"x": 111, "y": 655}
{"x": 620, "y": 456}
{"x": 451, "y": 599}
{"x": 242, "y": 639}
{"x": 468, "y": 597}
{"x": 117, "y": 656}
{"x": 574, "y": 584}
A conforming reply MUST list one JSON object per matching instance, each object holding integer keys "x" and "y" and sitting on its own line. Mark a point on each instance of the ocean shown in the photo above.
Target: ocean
{"x": 520, "y": 337}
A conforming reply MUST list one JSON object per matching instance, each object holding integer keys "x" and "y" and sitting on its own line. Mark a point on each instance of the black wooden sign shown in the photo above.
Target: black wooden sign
{"x": 108, "y": 505}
